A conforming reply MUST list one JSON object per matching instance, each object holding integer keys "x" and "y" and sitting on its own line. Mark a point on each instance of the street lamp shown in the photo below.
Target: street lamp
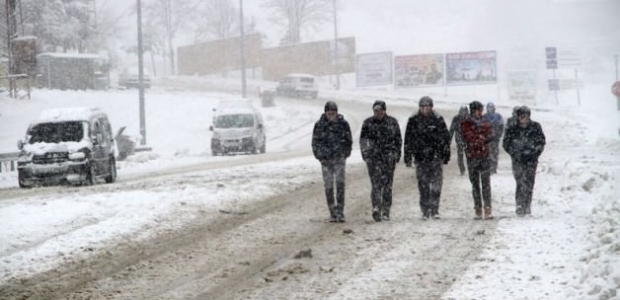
{"x": 336, "y": 48}
{"x": 242, "y": 50}
{"x": 141, "y": 77}
{"x": 616, "y": 60}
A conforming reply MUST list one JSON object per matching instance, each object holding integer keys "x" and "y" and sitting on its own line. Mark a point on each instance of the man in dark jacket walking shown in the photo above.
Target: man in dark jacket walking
{"x": 380, "y": 144}
{"x": 478, "y": 134}
{"x": 455, "y": 131}
{"x": 497, "y": 125}
{"x": 525, "y": 142}
{"x": 331, "y": 145}
{"x": 427, "y": 143}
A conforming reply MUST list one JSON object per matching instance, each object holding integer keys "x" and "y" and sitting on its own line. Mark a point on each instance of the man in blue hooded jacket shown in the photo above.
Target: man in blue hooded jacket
{"x": 497, "y": 126}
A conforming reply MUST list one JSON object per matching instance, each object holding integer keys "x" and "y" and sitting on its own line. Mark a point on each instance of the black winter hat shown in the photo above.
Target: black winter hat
{"x": 426, "y": 100}
{"x": 523, "y": 111}
{"x": 378, "y": 105}
{"x": 475, "y": 105}
{"x": 331, "y": 106}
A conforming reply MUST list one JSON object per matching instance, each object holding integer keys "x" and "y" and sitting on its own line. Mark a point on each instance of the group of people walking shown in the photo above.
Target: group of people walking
{"x": 426, "y": 145}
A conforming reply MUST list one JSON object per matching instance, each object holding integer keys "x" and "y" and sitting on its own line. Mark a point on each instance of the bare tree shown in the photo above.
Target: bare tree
{"x": 297, "y": 15}
{"x": 220, "y": 20}
{"x": 169, "y": 16}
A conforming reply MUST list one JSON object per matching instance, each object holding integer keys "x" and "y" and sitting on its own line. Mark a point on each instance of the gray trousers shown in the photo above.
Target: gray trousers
{"x": 334, "y": 174}
{"x": 480, "y": 178}
{"x": 430, "y": 180}
{"x": 381, "y": 175}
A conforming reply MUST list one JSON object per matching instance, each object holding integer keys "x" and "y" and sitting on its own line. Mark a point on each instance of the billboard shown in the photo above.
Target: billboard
{"x": 522, "y": 85}
{"x": 424, "y": 70}
{"x": 373, "y": 69}
{"x": 471, "y": 68}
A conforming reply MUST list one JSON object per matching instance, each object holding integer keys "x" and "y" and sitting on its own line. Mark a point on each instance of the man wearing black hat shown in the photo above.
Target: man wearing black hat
{"x": 331, "y": 145}
{"x": 477, "y": 133}
{"x": 380, "y": 143}
{"x": 525, "y": 142}
{"x": 427, "y": 143}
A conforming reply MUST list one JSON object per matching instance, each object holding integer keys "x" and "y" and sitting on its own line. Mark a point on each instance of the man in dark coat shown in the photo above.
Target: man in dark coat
{"x": 331, "y": 145}
{"x": 525, "y": 142}
{"x": 477, "y": 134}
{"x": 497, "y": 125}
{"x": 427, "y": 143}
{"x": 380, "y": 144}
{"x": 455, "y": 131}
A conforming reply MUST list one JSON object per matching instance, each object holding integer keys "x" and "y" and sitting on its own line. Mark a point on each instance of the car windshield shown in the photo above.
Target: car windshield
{"x": 57, "y": 132}
{"x": 234, "y": 121}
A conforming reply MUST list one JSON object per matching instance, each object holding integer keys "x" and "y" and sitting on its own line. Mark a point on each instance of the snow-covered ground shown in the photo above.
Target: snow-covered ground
{"x": 568, "y": 249}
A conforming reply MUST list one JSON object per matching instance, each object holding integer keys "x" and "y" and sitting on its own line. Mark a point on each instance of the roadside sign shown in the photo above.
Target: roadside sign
{"x": 615, "y": 89}
{"x": 551, "y": 54}
{"x": 554, "y": 84}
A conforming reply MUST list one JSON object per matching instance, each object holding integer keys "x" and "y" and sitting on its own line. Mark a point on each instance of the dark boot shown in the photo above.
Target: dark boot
{"x": 376, "y": 214}
{"x": 478, "y": 214}
{"x": 487, "y": 213}
{"x": 385, "y": 214}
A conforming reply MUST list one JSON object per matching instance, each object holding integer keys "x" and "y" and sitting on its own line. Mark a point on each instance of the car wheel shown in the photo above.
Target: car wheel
{"x": 20, "y": 180}
{"x": 112, "y": 169}
{"x": 252, "y": 149}
{"x": 91, "y": 178}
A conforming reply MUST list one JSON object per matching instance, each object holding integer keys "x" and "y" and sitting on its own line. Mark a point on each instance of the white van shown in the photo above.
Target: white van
{"x": 237, "y": 127}
{"x": 298, "y": 85}
{"x": 67, "y": 145}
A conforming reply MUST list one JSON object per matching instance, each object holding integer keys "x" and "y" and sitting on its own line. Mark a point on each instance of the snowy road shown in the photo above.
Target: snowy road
{"x": 246, "y": 248}
{"x": 185, "y": 225}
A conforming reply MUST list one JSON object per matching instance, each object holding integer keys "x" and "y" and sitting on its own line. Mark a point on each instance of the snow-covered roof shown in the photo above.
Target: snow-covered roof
{"x": 71, "y": 55}
{"x": 235, "y": 106}
{"x": 299, "y": 75}
{"x": 67, "y": 114}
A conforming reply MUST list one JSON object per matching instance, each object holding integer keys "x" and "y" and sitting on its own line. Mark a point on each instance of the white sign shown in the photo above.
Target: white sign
{"x": 374, "y": 69}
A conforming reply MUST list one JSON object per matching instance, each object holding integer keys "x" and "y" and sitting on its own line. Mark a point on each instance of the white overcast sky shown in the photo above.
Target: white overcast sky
{"x": 429, "y": 26}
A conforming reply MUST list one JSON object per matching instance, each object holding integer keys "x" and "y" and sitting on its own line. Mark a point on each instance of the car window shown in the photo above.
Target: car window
{"x": 307, "y": 80}
{"x": 234, "y": 121}
{"x": 56, "y": 132}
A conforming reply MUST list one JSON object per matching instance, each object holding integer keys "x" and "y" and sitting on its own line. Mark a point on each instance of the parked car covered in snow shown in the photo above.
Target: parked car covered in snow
{"x": 68, "y": 145}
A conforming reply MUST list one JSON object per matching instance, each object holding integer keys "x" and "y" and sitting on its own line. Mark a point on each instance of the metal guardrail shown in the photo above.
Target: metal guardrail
{"x": 8, "y": 161}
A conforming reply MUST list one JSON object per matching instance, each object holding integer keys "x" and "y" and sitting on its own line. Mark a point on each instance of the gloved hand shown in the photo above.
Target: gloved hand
{"x": 446, "y": 156}
{"x": 446, "y": 160}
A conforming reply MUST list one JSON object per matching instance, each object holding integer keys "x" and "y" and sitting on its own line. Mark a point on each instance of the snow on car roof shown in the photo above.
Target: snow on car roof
{"x": 299, "y": 75}
{"x": 67, "y": 114}
{"x": 234, "y": 106}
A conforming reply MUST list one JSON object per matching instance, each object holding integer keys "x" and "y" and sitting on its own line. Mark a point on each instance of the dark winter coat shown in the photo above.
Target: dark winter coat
{"x": 455, "y": 126}
{"x": 477, "y": 135}
{"x": 426, "y": 139}
{"x": 524, "y": 144}
{"x": 331, "y": 140}
{"x": 380, "y": 140}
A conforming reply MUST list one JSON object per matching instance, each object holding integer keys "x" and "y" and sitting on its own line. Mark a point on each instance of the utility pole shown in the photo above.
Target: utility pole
{"x": 616, "y": 60}
{"x": 337, "y": 60}
{"x": 11, "y": 27}
{"x": 242, "y": 50}
{"x": 141, "y": 77}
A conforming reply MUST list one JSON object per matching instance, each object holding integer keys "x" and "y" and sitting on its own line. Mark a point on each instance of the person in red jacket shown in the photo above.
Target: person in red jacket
{"x": 477, "y": 134}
